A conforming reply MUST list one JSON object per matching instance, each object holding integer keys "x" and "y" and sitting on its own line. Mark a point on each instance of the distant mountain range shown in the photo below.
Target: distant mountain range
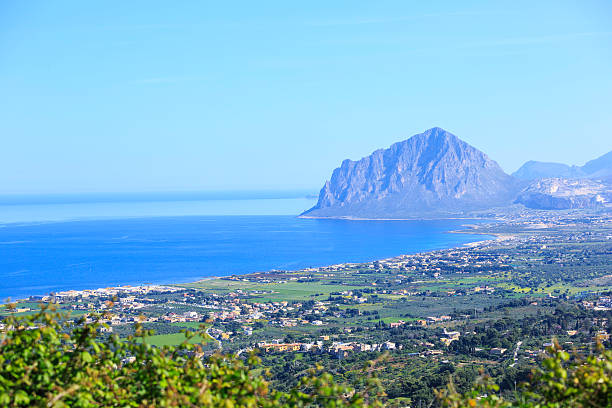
{"x": 533, "y": 170}
{"x": 437, "y": 174}
{"x": 598, "y": 168}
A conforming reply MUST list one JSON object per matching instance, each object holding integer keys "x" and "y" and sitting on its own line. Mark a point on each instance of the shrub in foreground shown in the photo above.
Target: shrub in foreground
{"x": 564, "y": 380}
{"x": 46, "y": 360}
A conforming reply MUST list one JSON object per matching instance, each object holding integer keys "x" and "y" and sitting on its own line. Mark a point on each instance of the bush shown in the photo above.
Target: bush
{"x": 47, "y": 360}
{"x": 564, "y": 380}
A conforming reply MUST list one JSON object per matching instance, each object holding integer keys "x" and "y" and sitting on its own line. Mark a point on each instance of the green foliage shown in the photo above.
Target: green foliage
{"x": 48, "y": 360}
{"x": 564, "y": 380}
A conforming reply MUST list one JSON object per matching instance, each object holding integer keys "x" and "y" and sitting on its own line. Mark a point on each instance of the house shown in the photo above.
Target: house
{"x": 341, "y": 350}
{"x": 498, "y": 351}
{"x": 281, "y": 347}
{"x": 191, "y": 315}
{"x": 449, "y": 337}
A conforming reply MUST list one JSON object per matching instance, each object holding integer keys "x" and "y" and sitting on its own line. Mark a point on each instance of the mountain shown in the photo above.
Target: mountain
{"x": 562, "y": 194}
{"x": 600, "y": 168}
{"x": 533, "y": 170}
{"x": 432, "y": 173}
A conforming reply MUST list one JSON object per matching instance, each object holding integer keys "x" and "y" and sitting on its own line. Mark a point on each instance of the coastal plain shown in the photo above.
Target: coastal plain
{"x": 492, "y": 305}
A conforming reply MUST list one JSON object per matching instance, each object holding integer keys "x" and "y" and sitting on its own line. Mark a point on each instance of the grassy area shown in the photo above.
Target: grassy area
{"x": 395, "y": 319}
{"x": 221, "y": 285}
{"x": 35, "y": 308}
{"x": 160, "y": 340}
{"x": 188, "y": 325}
{"x": 286, "y": 291}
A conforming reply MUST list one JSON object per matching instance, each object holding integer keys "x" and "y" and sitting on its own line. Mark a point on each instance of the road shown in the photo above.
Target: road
{"x": 243, "y": 350}
{"x": 516, "y": 350}
{"x": 219, "y": 344}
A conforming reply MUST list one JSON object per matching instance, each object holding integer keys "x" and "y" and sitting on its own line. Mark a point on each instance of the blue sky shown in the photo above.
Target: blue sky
{"x": 156, "y": 96}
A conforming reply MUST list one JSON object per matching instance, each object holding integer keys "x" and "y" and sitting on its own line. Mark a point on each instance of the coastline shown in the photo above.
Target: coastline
{"x": 464, "y": 229}
{"x": 497, "y": 237}
{"x": 351, "y": 218}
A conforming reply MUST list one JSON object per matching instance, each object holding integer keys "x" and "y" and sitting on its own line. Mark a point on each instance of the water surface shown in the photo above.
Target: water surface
{"x": 61, "y": 243}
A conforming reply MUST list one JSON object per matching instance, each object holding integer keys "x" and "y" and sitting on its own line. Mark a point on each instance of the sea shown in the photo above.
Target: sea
{"x": 56, "y": 243}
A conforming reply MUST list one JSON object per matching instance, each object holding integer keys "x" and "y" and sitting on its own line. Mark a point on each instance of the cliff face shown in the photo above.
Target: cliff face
{"x": 431, "y": 173}
{"x": 563, "y": 194}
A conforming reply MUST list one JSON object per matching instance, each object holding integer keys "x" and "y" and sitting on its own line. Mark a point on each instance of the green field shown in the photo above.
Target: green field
{"x": 190, "y": 325}
{"x": 160, "y": 340}
{"x": 281, "y": 291}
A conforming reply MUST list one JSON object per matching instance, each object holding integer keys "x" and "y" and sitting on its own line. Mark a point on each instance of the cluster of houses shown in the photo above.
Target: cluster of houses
{"x": 429, "y": 263}
{"x": 604, "y": 303}
{"x": 243, "y": 312}
{"x": 436, "y": 262}
{"x": 71, "y": 295}
{"x": 337, "y": 349}
{"x": 422, "y": 322}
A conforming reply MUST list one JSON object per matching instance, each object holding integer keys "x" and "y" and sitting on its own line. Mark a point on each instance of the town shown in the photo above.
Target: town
{"x": 500, "y": 302}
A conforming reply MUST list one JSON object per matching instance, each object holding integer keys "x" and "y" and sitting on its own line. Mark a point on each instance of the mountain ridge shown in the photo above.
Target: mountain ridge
{"x": 600, "y": 167}
{"x": 433, "y": 172}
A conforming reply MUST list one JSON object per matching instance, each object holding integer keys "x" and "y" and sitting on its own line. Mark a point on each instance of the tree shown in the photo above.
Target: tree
{"x": 48, "y": 360}
{"x": 564, "y": 380}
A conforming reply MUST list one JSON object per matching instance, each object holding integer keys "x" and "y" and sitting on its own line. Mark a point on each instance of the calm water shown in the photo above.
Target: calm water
{"x": 43, "y": 256}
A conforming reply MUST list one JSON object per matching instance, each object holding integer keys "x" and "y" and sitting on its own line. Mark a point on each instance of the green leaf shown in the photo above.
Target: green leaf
{"x": 86, "y": 357}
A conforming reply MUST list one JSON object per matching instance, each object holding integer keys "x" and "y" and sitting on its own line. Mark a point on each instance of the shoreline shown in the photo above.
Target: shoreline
{"x": 467, "y": 229}
{"x": 497, "y": 237}
{"x": 351, "y": 218}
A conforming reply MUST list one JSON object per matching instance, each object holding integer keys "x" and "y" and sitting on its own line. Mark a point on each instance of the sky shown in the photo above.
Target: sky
{"x": 115, "y": 96}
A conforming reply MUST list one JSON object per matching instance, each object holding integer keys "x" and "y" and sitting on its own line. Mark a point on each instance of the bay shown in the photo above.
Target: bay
{"x": 47, "y": 249}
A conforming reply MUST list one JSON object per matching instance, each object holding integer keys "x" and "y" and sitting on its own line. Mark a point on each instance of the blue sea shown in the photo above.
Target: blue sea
{"x": 65, "y": 243}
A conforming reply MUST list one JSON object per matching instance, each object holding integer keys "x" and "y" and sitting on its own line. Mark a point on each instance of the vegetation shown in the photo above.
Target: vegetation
{"x": 46, "y": 361}
{"x": 479, "y": 318}
{"x": 563, "y": 381}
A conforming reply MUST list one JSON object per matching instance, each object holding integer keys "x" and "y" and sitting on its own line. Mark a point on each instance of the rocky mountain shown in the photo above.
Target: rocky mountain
{"x": 432, "y": 173}
{"x": 563, "y": 194}
{"x": 600, "y": 168}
